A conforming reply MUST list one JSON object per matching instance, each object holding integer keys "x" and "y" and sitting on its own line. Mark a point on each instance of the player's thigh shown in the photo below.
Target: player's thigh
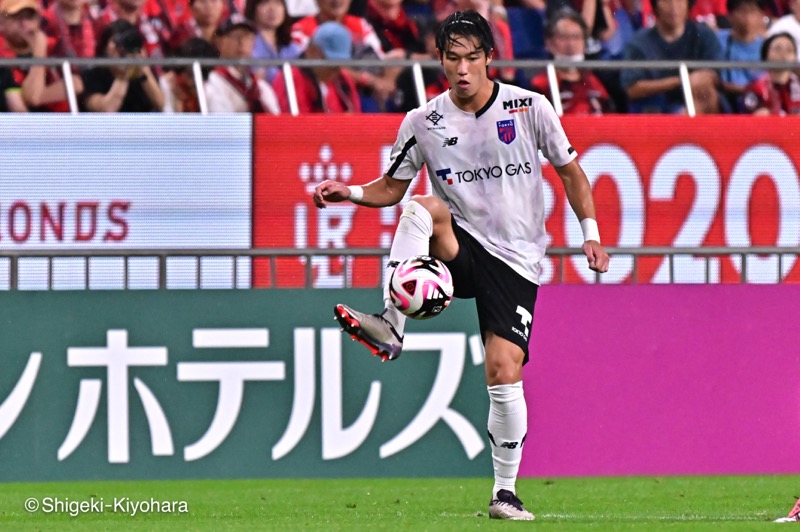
{"x": 505, "y": 302}
{"x": 444, "y": 244}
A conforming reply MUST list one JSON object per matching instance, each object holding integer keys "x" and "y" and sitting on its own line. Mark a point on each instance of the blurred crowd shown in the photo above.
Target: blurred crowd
{"x": 569, "y": 31}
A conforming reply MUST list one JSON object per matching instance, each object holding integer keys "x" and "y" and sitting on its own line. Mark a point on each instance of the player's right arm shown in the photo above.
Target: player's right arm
{"x": 382, "y": 192}
{"x": 405, "y": 161}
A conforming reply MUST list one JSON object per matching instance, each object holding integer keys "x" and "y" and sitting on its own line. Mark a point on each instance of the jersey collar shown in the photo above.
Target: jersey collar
{"x": 491, "y": 100}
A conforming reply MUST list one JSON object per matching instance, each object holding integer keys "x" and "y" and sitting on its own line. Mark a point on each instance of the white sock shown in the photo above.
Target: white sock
{"x": 412, "y": 237}
{"x": 508, "y": 426}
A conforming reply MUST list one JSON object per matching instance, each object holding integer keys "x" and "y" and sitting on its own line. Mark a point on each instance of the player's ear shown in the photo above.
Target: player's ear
{"x": 489, "y": 57}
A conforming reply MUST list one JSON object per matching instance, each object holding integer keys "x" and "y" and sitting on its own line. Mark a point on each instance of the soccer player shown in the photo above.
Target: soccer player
{"x": 485, "y": 220}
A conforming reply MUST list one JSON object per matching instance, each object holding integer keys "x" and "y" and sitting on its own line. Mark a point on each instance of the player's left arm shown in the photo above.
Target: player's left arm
{"x": 579, "y": 195}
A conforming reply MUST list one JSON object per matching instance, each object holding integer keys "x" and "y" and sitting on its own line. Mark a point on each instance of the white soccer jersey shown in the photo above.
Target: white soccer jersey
{"x": 485, "y": 167}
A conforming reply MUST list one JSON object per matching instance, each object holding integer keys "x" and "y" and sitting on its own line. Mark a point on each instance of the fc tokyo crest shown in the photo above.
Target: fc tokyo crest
{"x": 506, "y": 131}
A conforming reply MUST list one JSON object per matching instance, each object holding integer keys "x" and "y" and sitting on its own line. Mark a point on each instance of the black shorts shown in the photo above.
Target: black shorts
{"x": 504, "y": 299}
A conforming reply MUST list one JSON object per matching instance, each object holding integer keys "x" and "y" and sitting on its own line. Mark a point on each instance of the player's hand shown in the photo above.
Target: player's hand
{"x": 596, "y": 255}
{"x": 330, "y": 192}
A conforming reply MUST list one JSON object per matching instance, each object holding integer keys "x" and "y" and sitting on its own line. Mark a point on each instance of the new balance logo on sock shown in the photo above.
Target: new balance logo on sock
{"x": 509, "y": 444}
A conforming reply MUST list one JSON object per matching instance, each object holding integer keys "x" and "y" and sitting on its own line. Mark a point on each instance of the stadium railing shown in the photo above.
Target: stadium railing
{"x": 558, "y": 254}
{"x": 683, "y": 68}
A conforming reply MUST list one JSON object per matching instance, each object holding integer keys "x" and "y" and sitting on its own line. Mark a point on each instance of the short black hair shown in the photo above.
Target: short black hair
{"x": 465, "y": 24}
{"x": 196, "y": 48}
{"x": 733, "y": 5}
{"x": 125, "y": 35}
{"x": 768, "y": 42}
{"x": 565, "y": 13}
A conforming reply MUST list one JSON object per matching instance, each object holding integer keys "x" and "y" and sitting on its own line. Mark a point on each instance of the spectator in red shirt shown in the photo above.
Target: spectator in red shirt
{"x": 713, "y": 13}
{"x": 154, "y": 29}
{"x": 395, "y": 29}
{"x": 206, "y": 16}
{"x": 173, "y": 13}
{"x": 323, "y": 89}
{"x": 70, "y": 29}
{"x": 376, "y": 85}
{"x": 581, "y": 92}
{"x": 777, "y": 92}
{"x": 365, "y": 40}
{"x": 42, "y": 87}
{"x": 178, "y": 83}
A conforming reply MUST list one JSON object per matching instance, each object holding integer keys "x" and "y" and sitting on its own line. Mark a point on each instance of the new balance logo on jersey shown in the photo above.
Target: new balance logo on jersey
{"x": 452, "y": 141}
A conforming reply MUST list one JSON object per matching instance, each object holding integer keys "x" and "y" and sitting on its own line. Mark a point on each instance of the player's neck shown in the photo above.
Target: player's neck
{"x": 474, "y": 103}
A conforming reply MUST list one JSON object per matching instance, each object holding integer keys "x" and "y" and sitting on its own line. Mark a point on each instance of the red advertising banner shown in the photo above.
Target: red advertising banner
{"x": 657, "y": 180}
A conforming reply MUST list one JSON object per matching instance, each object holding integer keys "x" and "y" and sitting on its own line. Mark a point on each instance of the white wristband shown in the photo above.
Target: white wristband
{"x": 590, "y": 230}
{"x": 356, "y": 193}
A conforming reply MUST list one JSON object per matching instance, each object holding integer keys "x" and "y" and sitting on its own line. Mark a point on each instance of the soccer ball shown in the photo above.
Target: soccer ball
{"x": 421, "y": 287}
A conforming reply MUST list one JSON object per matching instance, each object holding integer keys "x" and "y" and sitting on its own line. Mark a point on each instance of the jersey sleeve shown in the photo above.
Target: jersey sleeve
{"x": 405, "y": 160}
{"x": 550, "y": 136}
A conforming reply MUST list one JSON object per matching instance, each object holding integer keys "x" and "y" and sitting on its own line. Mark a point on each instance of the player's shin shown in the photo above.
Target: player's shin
{"x": 412, "y": 237}
{"x": 508, "y": 426}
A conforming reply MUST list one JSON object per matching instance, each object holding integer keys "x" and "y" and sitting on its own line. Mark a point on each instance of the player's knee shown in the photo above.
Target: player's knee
{"x": 416, "y": 218}
{"x": 436, "y": 207}
{"x": 502, "y": 370}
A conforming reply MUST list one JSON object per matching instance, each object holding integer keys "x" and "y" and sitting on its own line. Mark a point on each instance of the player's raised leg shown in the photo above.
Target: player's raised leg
{"x": 422, "y": 220}
{"x": 507, "y": 425}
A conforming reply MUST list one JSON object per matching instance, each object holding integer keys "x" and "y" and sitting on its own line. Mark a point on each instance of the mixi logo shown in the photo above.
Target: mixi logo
{"x": 517, "y": 105}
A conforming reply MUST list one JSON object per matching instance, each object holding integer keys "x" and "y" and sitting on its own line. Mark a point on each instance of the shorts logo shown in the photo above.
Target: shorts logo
{"x": 506, "y": 131}
{"x": 444, "y": 174}
{"x": 526, "y": 318}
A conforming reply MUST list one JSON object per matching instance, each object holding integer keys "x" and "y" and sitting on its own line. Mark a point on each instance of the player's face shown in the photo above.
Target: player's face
{"x": 465, "y": 65}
